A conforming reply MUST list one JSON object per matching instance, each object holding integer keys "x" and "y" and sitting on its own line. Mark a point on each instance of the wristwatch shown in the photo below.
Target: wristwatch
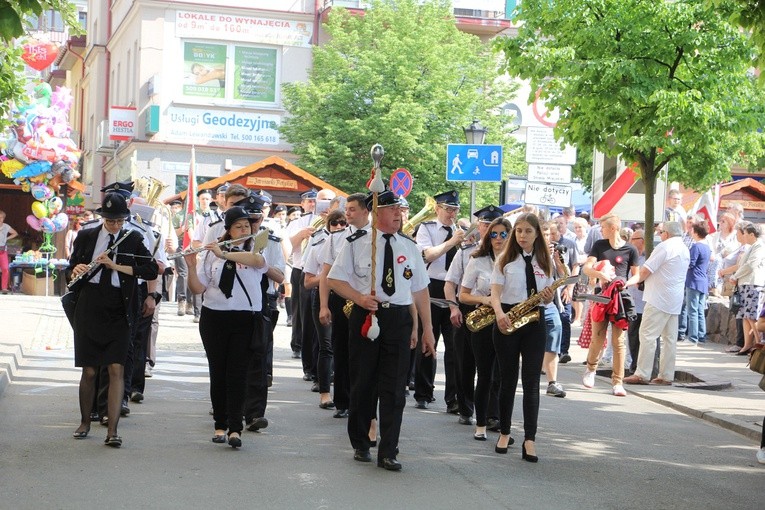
{"x": 157, "y": 296}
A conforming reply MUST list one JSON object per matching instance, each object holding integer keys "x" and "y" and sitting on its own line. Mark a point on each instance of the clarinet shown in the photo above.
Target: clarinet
{"x": 85, "y": 275}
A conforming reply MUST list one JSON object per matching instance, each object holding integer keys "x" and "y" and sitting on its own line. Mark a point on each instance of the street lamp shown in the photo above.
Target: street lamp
{"x": 474, "y": 135}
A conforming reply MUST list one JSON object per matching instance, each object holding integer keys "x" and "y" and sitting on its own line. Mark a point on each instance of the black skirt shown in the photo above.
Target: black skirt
{"x": 101, "y": 330}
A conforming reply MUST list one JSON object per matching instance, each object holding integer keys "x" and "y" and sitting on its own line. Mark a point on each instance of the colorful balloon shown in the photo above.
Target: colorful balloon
{"x": 33, "y": 222}
{"x": 46, "y": 224}
{"x": 42, "y": 192}
{"x": 54, "y": 205}
{"x": 60, "y": 221}
{"x": 39, "y": 210}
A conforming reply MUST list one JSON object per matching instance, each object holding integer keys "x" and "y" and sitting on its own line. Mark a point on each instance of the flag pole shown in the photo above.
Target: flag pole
{"x": 191, "y": 193}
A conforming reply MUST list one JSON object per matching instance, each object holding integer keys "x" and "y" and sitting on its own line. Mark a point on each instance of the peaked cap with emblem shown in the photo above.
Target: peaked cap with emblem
{"x": 124, "y": 188}
{"x": 114, "y": 207}
{"x": 385, "y": 199}
{"x": 266, "y": 196}
{"x": 253, "y": 203}
{"x": 450, "y": 198}
{"x": 309, "y": 195}
{"x": 488, "y": 213}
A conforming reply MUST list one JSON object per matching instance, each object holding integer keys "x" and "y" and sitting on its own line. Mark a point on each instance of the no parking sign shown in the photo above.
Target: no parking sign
{"x": 401, "y": 182}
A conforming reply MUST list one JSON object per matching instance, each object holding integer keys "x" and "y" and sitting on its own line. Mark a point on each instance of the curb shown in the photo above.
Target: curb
{"x": 745, "y": 429}
{"x": 10, "y": 356}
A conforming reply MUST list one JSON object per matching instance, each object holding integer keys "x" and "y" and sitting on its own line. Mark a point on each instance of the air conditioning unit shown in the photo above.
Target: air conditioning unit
{"x": 104, "y": 146}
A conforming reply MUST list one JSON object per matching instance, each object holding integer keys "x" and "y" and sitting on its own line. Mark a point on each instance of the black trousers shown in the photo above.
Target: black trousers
{"x": 465, "y": 366}
{"x": 378, "y": 367}
{"x": 485, "y": 360}
{"x": 228, "y": 337}
{"x": 256, "y": 378}
{"x": 340, "y": 350}
{"x": 309, "y": 350}
{"x": 565, "y": 320}
{"x": 425, "y": 373}
{"x": 323, "y": 344}
{"x": 296, "y": 342}
{"x": 529, "y": 343}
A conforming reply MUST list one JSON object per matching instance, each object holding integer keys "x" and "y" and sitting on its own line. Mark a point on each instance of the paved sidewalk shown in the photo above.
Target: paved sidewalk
{"x": 33, "y": 323}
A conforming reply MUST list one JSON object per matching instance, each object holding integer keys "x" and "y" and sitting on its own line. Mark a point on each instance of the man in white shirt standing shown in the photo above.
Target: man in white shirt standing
{"x": 663, "y": 295}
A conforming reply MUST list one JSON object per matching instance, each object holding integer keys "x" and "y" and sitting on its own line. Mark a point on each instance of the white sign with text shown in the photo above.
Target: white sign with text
{"x": 560, "y": 174}
{"x": 542, "y": 147}
{"x": 207, "y": 125}
{"x": 549, "y": 195}
{"x": 208, "y": 25}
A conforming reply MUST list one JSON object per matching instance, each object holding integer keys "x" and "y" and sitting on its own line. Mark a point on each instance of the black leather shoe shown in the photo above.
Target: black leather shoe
{"x": 389, "y": 464}
{"x": 136, "y": 396}
{"x": 453, "y": 408}
{"x": 307, "y": 377}
{"x": 327, "y": 405}
{"x": 234, "y": 441}
{"x": 257, "y": 423}
{"x": 492, "y": 424}
{"x": 362, "y": 455}
{"x": 421, "y": 404}
{"x": 315, "y": 387}
{"x": 465, "y": 420}
{"x": 341, "y": 413}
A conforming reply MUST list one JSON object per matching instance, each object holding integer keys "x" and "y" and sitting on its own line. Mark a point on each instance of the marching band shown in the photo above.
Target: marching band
{"x": 372, "y": 293}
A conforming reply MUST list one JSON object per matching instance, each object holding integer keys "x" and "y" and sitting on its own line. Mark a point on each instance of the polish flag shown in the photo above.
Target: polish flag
{"x": 191, "y": 202}
{"x": 707, "y": 205}
{"x": 616, "y": 191}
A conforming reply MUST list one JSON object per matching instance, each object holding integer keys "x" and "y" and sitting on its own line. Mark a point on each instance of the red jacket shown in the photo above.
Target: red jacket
{"x": 614, "y": 311}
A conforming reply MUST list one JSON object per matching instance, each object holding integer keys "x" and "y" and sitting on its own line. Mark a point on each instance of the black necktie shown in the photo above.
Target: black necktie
{"x": 388, "y": 281}
{"x": 106, "y": 272}
{"x": 452, "y": 251}
{"x": 531, "y": 281}
{"x": 227, "y": 275}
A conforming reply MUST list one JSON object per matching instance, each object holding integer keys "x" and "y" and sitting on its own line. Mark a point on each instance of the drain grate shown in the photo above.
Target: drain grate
{"x": 687, "y": 380}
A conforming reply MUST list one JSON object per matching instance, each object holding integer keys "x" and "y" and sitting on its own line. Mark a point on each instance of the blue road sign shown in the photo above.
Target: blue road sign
{"x": 474, "y": 163}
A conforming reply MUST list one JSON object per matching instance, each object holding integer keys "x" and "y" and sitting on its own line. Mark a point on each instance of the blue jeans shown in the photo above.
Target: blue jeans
{"x": 554, "y": 329}
{"x": 695, "y": 302}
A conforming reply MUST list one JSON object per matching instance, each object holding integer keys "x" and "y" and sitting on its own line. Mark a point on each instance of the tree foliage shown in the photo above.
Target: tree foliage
{"x": 401, "y": 75}
{"x": 662, "y": 83}
{"x": 13, "y": 16}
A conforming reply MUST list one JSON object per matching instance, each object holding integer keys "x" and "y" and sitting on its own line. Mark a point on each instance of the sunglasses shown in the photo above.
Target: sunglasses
{"x": 494, "y": 235}
{"x": 341, "y": 223}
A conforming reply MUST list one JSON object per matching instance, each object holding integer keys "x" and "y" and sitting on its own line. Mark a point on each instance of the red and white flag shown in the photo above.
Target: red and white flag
{"x": 707, "y": 205}
{"x": 191, "y": 202}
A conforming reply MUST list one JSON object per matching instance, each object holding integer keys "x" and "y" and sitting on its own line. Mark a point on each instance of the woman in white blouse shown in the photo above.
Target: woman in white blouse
{"x": 523, "y": 267}
{"x": 475, "y": 289}
{"x": 750, "y": 278}
{"x": 230, "y": 319}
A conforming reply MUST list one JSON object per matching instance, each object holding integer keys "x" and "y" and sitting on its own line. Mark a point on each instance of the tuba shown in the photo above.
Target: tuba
{"x": 427, "y": 213}
{"x": 151, "y": 188}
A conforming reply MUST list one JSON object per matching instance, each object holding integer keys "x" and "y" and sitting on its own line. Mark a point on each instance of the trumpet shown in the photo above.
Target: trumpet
{"x": 260, "y": 237}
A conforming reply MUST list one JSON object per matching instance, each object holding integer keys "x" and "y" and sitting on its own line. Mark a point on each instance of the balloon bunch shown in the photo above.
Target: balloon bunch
{"x": 39, "y": 155}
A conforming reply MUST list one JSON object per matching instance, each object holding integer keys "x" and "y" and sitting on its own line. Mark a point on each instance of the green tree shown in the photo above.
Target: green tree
{"x": 404, "y": 76}
{"x": 13, "y": 14}
{"x": 662, "y": 83}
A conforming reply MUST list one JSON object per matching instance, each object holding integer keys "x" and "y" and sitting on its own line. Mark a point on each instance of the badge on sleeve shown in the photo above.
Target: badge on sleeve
{"x": 407, "y": 273}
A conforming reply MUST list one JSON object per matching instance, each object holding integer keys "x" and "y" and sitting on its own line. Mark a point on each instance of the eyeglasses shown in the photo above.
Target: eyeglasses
{"x": 341, "y": 223}
{"x": 114, "y": 222}
{"x": 494, "y": 235}
{"x": 636, "y": 239}
{"x": 449, "y": 209}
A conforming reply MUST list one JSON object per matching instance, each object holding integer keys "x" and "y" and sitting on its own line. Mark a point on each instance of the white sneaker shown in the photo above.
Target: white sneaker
{"x": 588, "y": 379}
{"x": 619, "y": 391}
{"x": 147, "y": 372}
{"x": 761, "y": 455}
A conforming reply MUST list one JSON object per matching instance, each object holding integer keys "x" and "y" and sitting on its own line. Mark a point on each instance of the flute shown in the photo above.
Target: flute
{"x": 191, "y": 251}
{"x": 93, "y": 265}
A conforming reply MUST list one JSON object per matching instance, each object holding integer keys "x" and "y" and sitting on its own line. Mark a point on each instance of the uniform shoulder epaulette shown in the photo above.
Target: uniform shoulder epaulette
{"x": 317, "y": 243}
{"x": 136, "y": 225}
{"x": 305, "y": 214}
{"x": 157, "y": 235}
{"x": 356, "y": 235}
{"x": 272, "y": 237}
{"x": 216, "y": 222}
{"x": 407, "y": 237}
{"x": 147, "y": 222}
{"x": 318, "y": 232}
{"x": 469, "y": 246}
{"x": 431, "y": 222}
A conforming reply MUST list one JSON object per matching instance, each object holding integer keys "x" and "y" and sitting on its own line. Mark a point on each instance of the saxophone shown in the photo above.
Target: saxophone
{"x": 521, "y": 314}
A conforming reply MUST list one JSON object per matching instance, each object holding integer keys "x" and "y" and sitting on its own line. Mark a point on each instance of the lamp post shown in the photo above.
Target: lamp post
{"x": 474, "y": 135}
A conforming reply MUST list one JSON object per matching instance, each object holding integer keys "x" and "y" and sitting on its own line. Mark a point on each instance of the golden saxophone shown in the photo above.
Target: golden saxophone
{"x": 521, "y": 314}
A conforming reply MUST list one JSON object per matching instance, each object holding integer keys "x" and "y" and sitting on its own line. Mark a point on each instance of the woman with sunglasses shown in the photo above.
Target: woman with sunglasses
{"x": 475, "y": 289}
{"x": 230, "y": 318}
{"x": 312, "y": 267}
{"x": 524, "y": 268}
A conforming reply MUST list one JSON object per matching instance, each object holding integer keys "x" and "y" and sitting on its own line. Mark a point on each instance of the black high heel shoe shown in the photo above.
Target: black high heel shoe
{"x": 525, "y": 456}
{"x": 500, "y": 449}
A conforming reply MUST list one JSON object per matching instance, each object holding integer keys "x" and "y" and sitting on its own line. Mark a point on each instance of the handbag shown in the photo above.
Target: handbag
{"x": 728, "y": 288}
{"x": 736, "y": 300}
{"x": 757, "y": 359}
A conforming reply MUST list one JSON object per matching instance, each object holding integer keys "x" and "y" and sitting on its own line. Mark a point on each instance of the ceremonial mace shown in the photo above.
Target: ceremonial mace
{"x": 370, "y": 328}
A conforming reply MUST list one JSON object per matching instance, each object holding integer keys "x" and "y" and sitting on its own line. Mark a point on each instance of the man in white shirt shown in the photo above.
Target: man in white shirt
{"x": 663, "y": 295}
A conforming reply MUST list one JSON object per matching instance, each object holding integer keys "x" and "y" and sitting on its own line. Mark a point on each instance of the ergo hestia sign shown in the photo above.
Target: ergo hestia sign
{"x": 121, "y": 123}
